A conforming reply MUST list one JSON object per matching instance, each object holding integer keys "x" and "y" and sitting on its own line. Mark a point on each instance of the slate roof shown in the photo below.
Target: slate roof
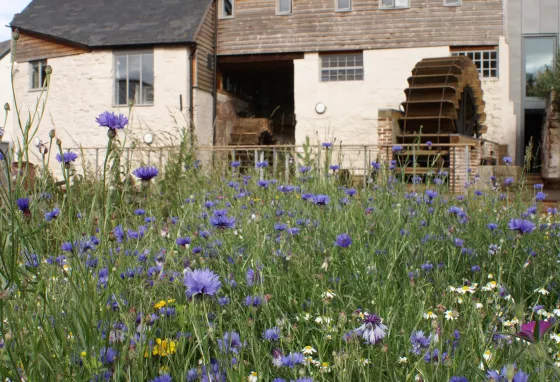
{"x": 103, "y": 23}
{"x": 4, "y": 48}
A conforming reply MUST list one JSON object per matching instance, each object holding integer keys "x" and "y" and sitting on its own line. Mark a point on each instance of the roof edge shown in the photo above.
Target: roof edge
{"x": 51, "y": 37}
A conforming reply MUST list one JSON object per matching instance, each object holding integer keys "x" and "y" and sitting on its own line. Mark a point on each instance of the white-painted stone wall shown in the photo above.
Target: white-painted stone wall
{"x": 6, "y": 96}
{"x": 352, "y": 107}
{"x": 203, "y": 123}
{"x": 82, "y": 88}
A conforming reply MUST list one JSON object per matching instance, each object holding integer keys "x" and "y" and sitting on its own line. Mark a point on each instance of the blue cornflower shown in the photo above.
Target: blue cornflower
{"x": 372, "y": 330}
{"x": 66, "y": 247}
{"x": 292, "y": 360}
{"x": 235, "y": 164}
{"x": 334, "y": 167}
{"x": 327, "y": 144}
{"x": 458, "y": 379}
{"x": 139, "y": 212}
{"x": 397, "y": 148}
{"x": 112, "y": 121}
{"x": 507, "y": 160}
{"x": 108, "y": 355}
{"x": 146, "y": 173}
{"x": 434, "y": 356}
{"x": 519, "y": 376}
{"x": 508, "y": 181}
{"x": 253, "y": 301}
{"x": 66, "y": 158}
{"x": 230, "y": 342}
{"x": 103, "y": 277}
{"x": 223, "y": 301}
{"x": 538, "y": 186}
{"x": 521, "y": 225}
{"x": 475, "y": 268}
{"x": 307, "y": 196}
{"x": 427, "y": 267}
{"x": 262, "y": 164}
{"x": 321, "y": 200}
{"x": 376, "y": 166}
{"x": 350, "y": 191}
{"x": 222, "y": 221}
{"x": 23, "y": 204}
{"x": 540, "y": 196}
{"x": 458, "y": 242}
{"x": 263, "y": 183}
{"x": 183, "y": 241}
{"x": 492, "y": 226}
{"x": 272, "y": 334}
{"x": 431, "y": 194}
{"x": 293, "y": 231}
{"x": 419, "y": 342}
{"x": 429, "y": 144}
{"x": 203, "y": 282}
{"x": 343, "y": 240}
{"x": 51, "y": 215}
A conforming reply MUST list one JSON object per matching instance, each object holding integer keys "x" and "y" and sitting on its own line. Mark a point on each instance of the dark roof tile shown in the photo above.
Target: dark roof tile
{"x": 4, "y": 48}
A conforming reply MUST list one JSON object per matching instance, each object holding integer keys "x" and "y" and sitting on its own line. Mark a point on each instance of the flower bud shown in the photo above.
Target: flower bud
{"x": 7, "y": 106}
{"x": 15, "y": 35}
{"x": 133, "y": 145}
{"x": 58, "y": 142}
{"x": 111, "y": 133}
{"x": 48, "y": 70}
{"x": 52, "y": 134}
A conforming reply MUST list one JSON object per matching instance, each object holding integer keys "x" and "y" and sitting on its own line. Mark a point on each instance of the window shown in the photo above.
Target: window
{"x": 539, "y": 57}
{"x": 452, "y": 3}
{"x": 284, "y": 7}
{"x": 227, "y": 8}
{"x": 486, "y": 61}
{"x": 391, "y": 4}
{"x": 343, "y": 5}
{"x": 134, "y": 78}
{"x": 38, "y": 74}
{"x": 342, "y": 67}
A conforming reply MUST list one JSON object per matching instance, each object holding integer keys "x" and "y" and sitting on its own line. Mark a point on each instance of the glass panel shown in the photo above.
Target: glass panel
{"x": 134, "y": 87}
{"x": 539, "y": 54}
{"x": 43, "y": 73}
{"x": 120, "y": 80}
{"x": 359, "y": 74}
{"x": 387, "y": 3}
{"x": 401, "y": 3}
{"x": 147, "y": 79}
{"x": 284, "y": 6}
{"x": 325, "y": 75}
{"x": 494, "y": 73}
{"x": 494, "y": 55}
{"x": 35, "y": 75}
{"x": 344, "y": 4}
{"x": 228, "y": 8}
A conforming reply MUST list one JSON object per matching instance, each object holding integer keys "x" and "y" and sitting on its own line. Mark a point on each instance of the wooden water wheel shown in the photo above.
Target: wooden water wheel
{"x": 444, "y": 97}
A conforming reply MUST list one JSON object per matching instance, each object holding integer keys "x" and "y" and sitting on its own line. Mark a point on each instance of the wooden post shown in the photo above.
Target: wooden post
{"x": 274, "y": 162}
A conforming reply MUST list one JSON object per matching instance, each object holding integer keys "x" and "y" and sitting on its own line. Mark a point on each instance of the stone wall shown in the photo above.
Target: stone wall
{"x": 229, "y": 108}
{"x": 6, "y": 96}
{"x": 551, "y": 144}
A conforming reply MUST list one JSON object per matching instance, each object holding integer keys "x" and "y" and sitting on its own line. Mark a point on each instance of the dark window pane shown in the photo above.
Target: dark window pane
{"x": 494, "y": 73}
{"x": 120, "y": 80}
{"x": 228, "y": 8}
{"x": 493, "y": 64}
{"x": 486, "y": 55}
{"x": 494, "y": 55}
{"x": 344, "y": 4}
{"x": 35, "y": 80}
{"x": 134, "y": 70}
{"x": 148, "y": 78}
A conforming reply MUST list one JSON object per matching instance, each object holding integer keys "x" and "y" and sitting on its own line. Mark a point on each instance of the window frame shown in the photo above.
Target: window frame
{"x": 128, "y": 53}
{"x": 394, "y": 6}
{"x": 41, "y": 62}
{"x": 223, "y": 10}
{"x": 446, "y": 4}
{"x": 338, "y": 68}
{"x": 338, "y": 9}
{"x": 463, "y": 51}
{"x": 279, "y": 13}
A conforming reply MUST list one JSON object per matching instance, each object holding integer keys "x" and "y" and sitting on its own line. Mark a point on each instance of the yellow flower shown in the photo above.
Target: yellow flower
{"x": 163, "y": 348}
{"x": 160, "y": 304}
{"x": 83, "y": 354}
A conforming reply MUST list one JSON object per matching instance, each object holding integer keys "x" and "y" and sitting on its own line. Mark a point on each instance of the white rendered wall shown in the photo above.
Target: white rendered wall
{"x": 6, "y": 96}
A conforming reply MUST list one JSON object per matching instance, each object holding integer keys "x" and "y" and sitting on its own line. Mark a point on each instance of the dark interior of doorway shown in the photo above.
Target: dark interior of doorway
{"x": 534, "y": 119}
{"x": 269, "y": 88}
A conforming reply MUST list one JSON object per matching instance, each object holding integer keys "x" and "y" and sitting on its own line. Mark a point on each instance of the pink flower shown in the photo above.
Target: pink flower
{"x": 528, "y": 330}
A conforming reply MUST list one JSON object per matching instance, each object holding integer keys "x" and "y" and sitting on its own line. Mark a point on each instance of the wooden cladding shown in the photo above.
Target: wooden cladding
{"x": 314, "y": 25}
{"x": 30, "y": 48}
{"x": 205, "y": 51}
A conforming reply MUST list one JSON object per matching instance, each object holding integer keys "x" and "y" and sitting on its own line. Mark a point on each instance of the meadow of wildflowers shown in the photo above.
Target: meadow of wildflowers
{"x": 187, "y": 274}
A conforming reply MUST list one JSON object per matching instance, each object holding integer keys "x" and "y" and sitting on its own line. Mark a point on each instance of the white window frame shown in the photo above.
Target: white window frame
{"x": 452, "y": 3}
{"x": 223, "y": 10}
{"x": 131, "y": 53}
{"x": 381, "y": 6}
{"x": 481, "y": 61}
{"x": 338, "y": 9}
{"x": 340, "y": 68}
{"x": 278, "y": 12}
{"x": 41, "y": 65}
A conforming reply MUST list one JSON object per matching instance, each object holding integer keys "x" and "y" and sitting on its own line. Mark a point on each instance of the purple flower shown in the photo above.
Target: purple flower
{"x": 183, "y": 241}
{"x": 263, "y": 183}
{"x": 419, "y": 342}
{"x": 376, "y": 166}
{"x": 230, "y": 343}
{"x": 327, "y": 144}
{"x": 222, "y": 221}
{"x": 304, "y": 169}
{"x": 538, "y": 186}
{"x": 521, "y": 225}
{"x": 431, "y": 194}
{"x": 203, "y": 282}
{"x": 112, "y": 121}
{"x": 458, "y": 379}
{"x": 334, "y": 167}
{"x": 343, "y": 240}
{"x": 272, "y": 334}
{"x": 51, "y": 215}
{"x": 492, "y": 226}
{"x": 139, "y": 212}
{"x": 66, "y": 157}
{"x": 372, "y": 330}
{"x": 262, "y": 164}
{"x": 253, "y": 301}
{"x": 23, "y": 204}
{"x": 145, "y": 174}
{"x": 528, "y": 330}
{"x": 507, "y": 160}
{"x": 235, "y": 164}
{"x": 162, "y": 378}
{"x": 519, "y": 376}
{"x": 397, "y": 148}
{"x": 107, "y": 355}
{"x": 429, "y": 144}
{"x": 508, "y": 181}
{"x": 458, "y": 242}
{"x": 321, "y": 200}
{"x": 292, "y": 360}
{"x": 540, "y": 196}
{"x": 351, "y": 191}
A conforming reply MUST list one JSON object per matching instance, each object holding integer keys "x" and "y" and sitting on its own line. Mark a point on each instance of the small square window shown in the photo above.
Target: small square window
{"x": 228, "y": 8}
{"x": 284, "y": 7}
{"x": 38, "y": 74}
{"x": 134, "y": 78}
{"x": 342, "y": 67}
{"x": 452, "y": 3}
{"x": 486, "y": 61}
{"x": 392, "y": 4}
{"x": 343, "y": 5}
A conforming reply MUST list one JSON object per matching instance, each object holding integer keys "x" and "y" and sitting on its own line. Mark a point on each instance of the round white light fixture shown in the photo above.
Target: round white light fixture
{"x": 320, "y": 108}
{"x": 148, "y": 138}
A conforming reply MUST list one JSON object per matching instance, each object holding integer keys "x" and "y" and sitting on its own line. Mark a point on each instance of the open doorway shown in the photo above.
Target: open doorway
{"x": 534, "y": 119}
{"x": 264, "y": 88}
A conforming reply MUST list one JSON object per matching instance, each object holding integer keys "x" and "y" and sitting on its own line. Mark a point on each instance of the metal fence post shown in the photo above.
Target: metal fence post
{"x": 274, "y": 162}
{"x": 256, "y": 158}
{"x": 286, "y": 167}
{"x": 365, "y": 166}
{"x": 261, "y": 170}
